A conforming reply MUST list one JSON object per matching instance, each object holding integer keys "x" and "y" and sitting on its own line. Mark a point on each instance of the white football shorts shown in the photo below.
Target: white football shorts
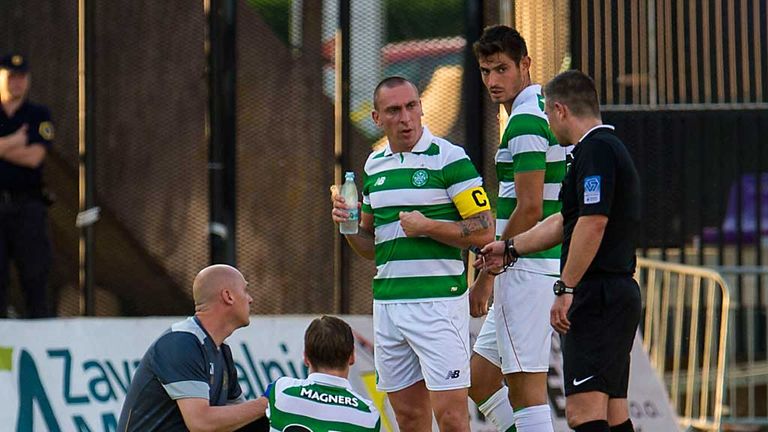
{"x": 522, "y": 301}
{"x": 426, "y": 340}
{"x": 485, "y": 344}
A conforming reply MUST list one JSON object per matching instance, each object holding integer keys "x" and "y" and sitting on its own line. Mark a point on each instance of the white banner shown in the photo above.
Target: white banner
{"x": 73, "y": 374}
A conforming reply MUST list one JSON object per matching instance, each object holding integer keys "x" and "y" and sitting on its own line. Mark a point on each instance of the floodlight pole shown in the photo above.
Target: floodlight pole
{"x": 342, "y": 253}
{"x": 221, "y": 129}
{"x": 88, "y": 213}
{"x": 474, "y": 93}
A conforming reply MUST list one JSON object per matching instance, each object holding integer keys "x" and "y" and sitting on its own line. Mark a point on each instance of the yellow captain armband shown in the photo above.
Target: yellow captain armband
{"x": 471, "y": 202}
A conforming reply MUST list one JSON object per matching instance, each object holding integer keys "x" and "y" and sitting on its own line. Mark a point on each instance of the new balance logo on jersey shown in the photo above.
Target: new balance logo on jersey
{"x": 453, "y": 374}
{"x": 380, "y": 181}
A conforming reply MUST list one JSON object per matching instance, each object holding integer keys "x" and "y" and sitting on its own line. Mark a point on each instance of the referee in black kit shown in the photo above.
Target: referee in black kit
{"x": 26, "y": 134}
{"x": 597, "y": 308}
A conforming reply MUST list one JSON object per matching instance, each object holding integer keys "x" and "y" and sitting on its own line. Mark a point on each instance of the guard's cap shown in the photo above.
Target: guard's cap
{"x": 14, "y": 62}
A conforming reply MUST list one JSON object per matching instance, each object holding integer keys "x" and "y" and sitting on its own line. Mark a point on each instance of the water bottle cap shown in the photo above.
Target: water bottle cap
{"x": 349, "y": 175}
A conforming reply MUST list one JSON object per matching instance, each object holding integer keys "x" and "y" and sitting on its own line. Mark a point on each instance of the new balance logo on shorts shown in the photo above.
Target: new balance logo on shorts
{"x": 453, "y": 374}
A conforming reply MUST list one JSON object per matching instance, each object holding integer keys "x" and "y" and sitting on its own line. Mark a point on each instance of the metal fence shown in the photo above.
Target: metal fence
{"x": 685, "y": 332}
{"x": 703, "y": 205}
{"x": 747, "y": 376}
{"x": 149, "y": 108}
{"x": 684, "y": 84}
{"x": 668, "y": 52}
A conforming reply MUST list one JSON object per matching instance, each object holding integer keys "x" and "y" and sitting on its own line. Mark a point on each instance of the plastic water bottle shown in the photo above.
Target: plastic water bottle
{"x": 349, "y": 193}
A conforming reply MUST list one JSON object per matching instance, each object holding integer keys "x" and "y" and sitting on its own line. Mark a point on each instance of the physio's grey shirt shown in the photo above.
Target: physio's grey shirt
{"x": 182, "y": 363}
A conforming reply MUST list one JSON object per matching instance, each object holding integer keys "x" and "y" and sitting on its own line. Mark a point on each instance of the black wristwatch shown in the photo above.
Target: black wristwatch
{"x": 510, "y": 248}
{"x": 560, "y": 288}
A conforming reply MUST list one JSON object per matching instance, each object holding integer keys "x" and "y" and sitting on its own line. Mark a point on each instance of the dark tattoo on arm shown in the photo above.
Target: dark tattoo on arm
{"x": 474, "y": 224}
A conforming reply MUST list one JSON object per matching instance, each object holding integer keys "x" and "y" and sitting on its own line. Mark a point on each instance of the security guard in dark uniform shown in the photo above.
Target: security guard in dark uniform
{"x": 26, "y": 132}
{"x": 598, "y": 305}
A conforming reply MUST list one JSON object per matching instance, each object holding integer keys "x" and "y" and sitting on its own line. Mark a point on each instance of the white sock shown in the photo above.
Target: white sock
{"x": 534, "y": 419}
{"x": 498, "y": 410}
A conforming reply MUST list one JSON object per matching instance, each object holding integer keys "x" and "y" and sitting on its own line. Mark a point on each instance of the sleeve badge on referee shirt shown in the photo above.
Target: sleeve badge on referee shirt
{"x": 592, "y": 190}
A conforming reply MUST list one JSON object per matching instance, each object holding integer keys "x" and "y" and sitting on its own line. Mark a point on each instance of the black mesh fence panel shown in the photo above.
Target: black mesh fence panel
{"x": 151, "y": 102}
{"x": 27, "y": 27}
{"x": 673, "y": 52}
{"x": 285, "y": 163}
{"x": 151, "y": 152}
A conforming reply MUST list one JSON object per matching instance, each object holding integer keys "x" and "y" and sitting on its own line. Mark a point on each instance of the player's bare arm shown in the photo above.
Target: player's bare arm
{"x": 479, "y": 293}
{"x": 529, "y": 187}
{"x": 363, "y": 243}
{"x": 530, "y": 198}
{"x": 476, "y": 230}
{"x": 475, "y": 224}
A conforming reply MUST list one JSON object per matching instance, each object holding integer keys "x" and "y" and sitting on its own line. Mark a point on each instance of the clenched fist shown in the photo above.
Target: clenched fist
{"x": 414, "y": 223}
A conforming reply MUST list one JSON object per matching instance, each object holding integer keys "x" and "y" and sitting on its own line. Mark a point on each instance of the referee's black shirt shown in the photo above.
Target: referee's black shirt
{"x": 603, "y": 180}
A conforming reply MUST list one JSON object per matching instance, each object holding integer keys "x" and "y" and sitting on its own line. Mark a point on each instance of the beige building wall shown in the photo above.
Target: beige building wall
{"x": 545, "y": 26}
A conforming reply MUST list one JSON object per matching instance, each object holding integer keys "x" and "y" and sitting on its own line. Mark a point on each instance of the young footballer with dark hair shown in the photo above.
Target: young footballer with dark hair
{"x": 516, "y": 337}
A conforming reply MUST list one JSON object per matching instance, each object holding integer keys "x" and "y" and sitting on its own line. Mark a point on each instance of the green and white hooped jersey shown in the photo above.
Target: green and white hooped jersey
{"x": 437, "y": 179}
{"x": 529, "y": 145}
{"x": 320, "y": 403}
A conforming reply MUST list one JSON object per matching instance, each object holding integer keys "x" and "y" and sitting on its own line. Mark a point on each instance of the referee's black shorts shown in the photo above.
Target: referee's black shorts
{"x": 604, "y": 316}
